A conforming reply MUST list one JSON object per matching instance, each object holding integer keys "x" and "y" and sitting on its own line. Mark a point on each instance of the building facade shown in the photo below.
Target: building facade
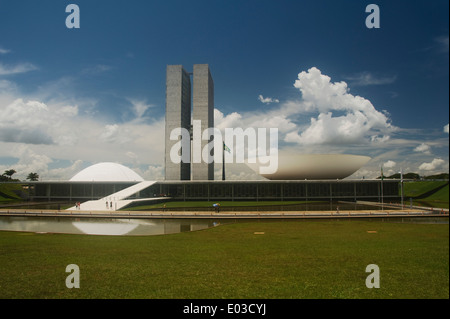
{"x": 326, "y": 190}
{"x": 178, "y": 115}
{"x": 179, "y": 99}
{"x": 203, "y": 110}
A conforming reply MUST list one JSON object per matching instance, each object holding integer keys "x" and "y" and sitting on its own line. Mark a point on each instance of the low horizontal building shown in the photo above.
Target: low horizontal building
{"x": 220, "y": 190}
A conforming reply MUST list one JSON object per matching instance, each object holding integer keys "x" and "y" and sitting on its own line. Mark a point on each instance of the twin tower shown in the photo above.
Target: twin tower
{"x": 178, "y": 115}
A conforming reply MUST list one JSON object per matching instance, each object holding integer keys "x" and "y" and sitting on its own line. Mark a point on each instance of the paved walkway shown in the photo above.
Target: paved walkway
{"x": 234, "y": 215}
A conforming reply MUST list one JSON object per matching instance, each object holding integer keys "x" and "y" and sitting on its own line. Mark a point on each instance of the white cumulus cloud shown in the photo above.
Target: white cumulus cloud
{"x": 435, "y": 164}
{"x": 267, "y": 100}
{"x": 25, "y": 122}
{"x": 356, "y": 119}
{"x": 423, "y": 148}
{"x": 390, "y": 164}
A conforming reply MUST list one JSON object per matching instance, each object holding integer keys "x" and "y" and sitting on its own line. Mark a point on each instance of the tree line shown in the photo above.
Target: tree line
{"x": 7, "y": 176}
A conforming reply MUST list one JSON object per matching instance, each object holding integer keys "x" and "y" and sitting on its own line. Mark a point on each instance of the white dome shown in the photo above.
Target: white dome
{"x": 107, "y": 172}
{"x": 313, "y": 166}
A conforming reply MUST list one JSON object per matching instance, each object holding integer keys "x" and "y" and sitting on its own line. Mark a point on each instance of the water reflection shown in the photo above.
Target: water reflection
{"x": 111, "y": 228}
{"x": 103, "y": 226}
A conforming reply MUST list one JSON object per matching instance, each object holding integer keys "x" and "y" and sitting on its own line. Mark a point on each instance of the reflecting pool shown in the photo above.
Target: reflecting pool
{"x": 104, "y": 226}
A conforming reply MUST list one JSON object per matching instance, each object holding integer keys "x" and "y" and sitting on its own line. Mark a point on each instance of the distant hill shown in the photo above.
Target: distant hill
{"x": 415, "y": 176}
{"x": 438, "y": 176}
{"x": 405, "y": 176}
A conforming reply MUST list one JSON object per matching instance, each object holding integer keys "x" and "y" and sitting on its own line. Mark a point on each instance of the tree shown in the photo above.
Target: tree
{"x": 33, "y": 177}
{"x": 9, "y": 173}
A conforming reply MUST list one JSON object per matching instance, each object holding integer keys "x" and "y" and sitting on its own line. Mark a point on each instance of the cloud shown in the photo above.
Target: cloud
{"x": 267, "y": 100}
{"x": 110, "y": 133}
{"x": 337, "y": 118}
{"x": 390, "y": 164}
{"x": 96, "y": 69}
{"x": 358, "y": 120}
{"x": 231, "y": 120}
{"x": 6, "y": 86}
{"x": 55, "y": 133}
{"x": 29, "y": 162}
{"x": 366, "y": 78}
{"x": 4, "y": 51}
{"x": 435, "y": 164}
{"x": 152, "y": 173}
{"x": 35, "y": 122}
{"x": 423, "y": 148}
{"x": 19, "y": 68}
{"x": 276, "y": 118}
{"x": 63, "y": 173}
{"x": 139, "y": 107}
{"x": 326, "y": 129}
{"x": 446, "y": 129}
{"x": 25, "y": 122}
{"x": 33, "y": 161}
{"x": 116, "y": 134}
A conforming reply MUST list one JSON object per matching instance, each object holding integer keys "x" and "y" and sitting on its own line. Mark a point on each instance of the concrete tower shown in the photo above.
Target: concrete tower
{"x": 203, "y": 110}
{"x": 178, "y": 115}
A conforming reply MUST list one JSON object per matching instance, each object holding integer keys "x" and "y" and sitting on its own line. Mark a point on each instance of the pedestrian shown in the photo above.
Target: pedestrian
{"x": 107, "y": 205}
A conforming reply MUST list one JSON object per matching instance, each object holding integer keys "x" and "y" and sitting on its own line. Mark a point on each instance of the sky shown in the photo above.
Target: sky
{"x": 73, "y": 97}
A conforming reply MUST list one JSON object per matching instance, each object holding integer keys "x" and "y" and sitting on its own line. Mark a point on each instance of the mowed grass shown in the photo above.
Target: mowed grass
{"x": 292, "y": 259}
{"x": 439, "y": 199}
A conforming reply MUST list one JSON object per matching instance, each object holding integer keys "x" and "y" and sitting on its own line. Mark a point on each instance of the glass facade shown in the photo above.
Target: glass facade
{"x": 226, "y": 190}
{"x": 75, "y": 190}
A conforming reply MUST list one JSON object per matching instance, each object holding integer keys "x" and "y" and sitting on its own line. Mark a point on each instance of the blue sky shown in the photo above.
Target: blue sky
{"x": 73, "y": 97}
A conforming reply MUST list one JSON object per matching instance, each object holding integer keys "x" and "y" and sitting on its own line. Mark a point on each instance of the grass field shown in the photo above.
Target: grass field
{"x": 296, "y": 259}
{"x": 7, "y": 192}
{"x": 417, "y": 189}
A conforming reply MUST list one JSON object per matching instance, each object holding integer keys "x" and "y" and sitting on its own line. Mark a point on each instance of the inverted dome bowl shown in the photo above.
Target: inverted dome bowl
{"x": 312, "y": 166}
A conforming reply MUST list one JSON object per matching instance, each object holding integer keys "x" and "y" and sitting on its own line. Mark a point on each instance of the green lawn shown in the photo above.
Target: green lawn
{"x": 415, "y": 189}
{"x": 295, "y": 259}
{"x": 7, "y": 192}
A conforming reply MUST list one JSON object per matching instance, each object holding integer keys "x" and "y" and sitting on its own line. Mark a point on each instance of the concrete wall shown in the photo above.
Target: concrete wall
{"x": 203, "y": 110}
{"x": 178, "y": 114}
